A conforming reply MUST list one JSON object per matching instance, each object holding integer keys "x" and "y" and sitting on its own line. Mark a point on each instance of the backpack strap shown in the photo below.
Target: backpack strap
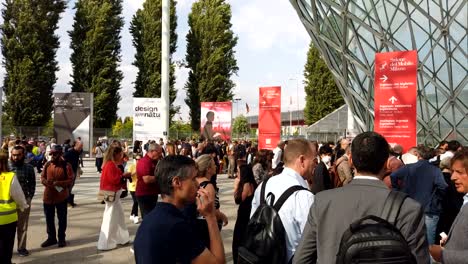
{"x": 286, "y": 195}
{"x": 262, "y": 191}
{"x": 392, "y": 206}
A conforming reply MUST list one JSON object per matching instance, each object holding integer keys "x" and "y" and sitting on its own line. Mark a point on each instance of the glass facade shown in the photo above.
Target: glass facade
{"x": 349, "y": 33}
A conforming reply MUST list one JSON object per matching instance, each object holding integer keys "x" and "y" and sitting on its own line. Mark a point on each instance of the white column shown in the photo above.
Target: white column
{"x": 165, "y": 67}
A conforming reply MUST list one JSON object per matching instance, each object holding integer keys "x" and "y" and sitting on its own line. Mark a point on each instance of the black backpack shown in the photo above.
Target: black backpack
{"x": 377, "y": 240}
{"x": 265, "y": 238}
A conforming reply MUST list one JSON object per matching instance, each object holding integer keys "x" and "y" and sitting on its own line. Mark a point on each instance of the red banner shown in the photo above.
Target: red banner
{"x": 269, "y": 117}
{"x": 216, "y": 120}
{"x": 395, "y": 83}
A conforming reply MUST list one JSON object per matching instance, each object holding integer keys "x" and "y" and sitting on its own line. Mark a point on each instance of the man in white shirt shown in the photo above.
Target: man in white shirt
{"x": 334, "y": 210}
{"x": 300, "y": 158}
{"x": 278, "y": 153}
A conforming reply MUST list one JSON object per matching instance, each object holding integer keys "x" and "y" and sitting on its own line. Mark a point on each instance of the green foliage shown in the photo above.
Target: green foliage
{"x": 146, "y": 31}
{"x": 29, "y": 46}
{"x": 240, "y": 127}
{"x": 210, "y": 56}
{"x": 95, "y": 42}
{"x": 123, "y": 129}
{"x": 322, "y": 95}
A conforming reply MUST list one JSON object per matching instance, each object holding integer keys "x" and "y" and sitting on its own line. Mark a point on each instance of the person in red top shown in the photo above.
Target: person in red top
{"x": 147, "y": 189}
{"x": 113, "y": 228}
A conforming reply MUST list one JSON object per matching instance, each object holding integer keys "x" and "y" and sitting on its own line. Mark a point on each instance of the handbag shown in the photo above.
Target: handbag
{"x": 108, "y": 196}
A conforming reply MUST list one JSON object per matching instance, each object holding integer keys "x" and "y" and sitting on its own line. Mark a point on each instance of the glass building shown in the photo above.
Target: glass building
{"x": 349, "y": 33}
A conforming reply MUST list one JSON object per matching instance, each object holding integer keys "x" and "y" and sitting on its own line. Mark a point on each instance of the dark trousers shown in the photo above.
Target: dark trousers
{"x": 146, "y": 203}
{"x": 135, "y": 204}
{"x": 99, "y": 164}
{"x": 7, "y": 240}
{"x": 49, "y": 211}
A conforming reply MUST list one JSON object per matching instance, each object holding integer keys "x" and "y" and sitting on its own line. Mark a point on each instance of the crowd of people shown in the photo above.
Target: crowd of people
{"x": 316, "y": 191}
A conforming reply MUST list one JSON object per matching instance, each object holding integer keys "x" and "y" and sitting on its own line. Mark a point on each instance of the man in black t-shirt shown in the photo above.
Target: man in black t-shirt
{"x": 166, "y": 236}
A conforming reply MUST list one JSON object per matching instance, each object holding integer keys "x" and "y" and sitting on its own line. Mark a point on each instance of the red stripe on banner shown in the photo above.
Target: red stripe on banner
{"x": 395, "y": 84}
{"x": 269, "y": 117}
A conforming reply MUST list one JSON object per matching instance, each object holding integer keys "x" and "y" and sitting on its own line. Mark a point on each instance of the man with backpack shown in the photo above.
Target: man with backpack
{"x": 343, "y": 223}
{"x": 287, "y": 220}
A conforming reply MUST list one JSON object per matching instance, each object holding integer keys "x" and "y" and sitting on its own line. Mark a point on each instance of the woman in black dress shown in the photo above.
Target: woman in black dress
{"x": 244, "y": 189}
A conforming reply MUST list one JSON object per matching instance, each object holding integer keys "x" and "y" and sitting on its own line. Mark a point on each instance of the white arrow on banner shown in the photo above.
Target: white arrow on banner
{"x": 384, "y": 78}
{"x": 393, "y": 99}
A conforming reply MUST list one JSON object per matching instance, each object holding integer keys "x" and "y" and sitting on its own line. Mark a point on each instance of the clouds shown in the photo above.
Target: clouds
{"x": 272, "y": 48}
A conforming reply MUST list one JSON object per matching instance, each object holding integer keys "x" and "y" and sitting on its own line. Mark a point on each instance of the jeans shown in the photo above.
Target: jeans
{"x": 99, "y": 164}
{"x": 147, "y": 204}
{"x": 135, "y": 204}
{"x": 431, "y": 226}
{"x": 49, "y": 211}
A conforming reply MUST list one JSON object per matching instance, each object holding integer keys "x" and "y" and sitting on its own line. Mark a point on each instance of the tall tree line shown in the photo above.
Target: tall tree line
{"x": 146, "y": 32}
{"x": 29, "y": 46}
{"x": 95, "y": 44}
{"x": 210, "y": 56}
{"x": 322, "y": 94}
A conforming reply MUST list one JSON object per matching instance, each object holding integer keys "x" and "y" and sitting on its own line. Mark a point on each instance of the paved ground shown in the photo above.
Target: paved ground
{"x": 84, "y": 223}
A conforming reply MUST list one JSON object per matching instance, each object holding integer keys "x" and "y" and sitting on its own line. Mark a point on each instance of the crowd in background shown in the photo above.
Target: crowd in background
{"x": 421, "y": 172}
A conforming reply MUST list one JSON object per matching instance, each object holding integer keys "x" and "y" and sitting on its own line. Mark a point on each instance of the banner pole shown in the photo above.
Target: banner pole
{"x": 165, "y": 38}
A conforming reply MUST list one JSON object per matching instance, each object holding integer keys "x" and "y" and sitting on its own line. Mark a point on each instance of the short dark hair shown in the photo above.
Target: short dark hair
{"x": 171, "y": 166}
{"x": 369, "y": 152}
{"x": 20, "y": 148}
{"x": 325, "y": 149}
{"x": 454, "y": 145}
{"x": 425, "y": 152}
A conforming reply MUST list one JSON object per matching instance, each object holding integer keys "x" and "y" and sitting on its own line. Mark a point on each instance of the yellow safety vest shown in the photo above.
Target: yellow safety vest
{"x": 7, "y": 204}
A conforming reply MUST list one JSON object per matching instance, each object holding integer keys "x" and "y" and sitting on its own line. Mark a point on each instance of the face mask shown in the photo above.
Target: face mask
{"x": 326, "y": 159}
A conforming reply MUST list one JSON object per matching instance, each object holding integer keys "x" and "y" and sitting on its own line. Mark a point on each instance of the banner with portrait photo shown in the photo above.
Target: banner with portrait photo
{"x": 147, "y": 119}
{"x": 216, "y": 120}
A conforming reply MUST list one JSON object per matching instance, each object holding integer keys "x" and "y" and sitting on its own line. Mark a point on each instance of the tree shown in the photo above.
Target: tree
{"x": 240, "y": 126}
{"x": 210, "y": 56}
{"x": 146, "y": 31}
{"x": 95, "y": 44}
{"x": 322, "y": 95}
{"x": 123, "y": 129}
{"x": 29, "y": 46}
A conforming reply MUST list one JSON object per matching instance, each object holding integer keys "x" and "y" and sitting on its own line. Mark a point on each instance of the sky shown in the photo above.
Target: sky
{"x": 271, "y": 51}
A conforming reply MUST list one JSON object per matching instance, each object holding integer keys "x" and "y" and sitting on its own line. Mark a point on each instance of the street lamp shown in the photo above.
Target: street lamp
{"x": 236, "y": 101}
{"x": 297, "y": 97}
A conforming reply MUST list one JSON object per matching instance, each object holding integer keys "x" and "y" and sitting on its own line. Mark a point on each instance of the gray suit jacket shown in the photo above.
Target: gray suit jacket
{"x": 456, "y": 248}
{"x": 334, "y": 210}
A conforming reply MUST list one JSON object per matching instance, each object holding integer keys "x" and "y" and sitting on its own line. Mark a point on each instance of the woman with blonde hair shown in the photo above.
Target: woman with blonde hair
{"x": 113, "y": 228}
{"x": 206, "y": 168}
{"x": 170, "y": 149}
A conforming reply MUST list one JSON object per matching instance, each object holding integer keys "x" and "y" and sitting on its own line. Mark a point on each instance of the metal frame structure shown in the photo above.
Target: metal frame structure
{"x": 348, "y": 33}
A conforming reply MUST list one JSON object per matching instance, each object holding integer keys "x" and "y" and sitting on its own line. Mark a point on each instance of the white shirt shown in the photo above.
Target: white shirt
{"x": 447, "y": 154}
{"x": 365, "y": 178}
{"x": 465, "y": 199}
{"x": 295, "y": 210}
{"x": 17, "y": 194}
{"x": 276, "y": 158}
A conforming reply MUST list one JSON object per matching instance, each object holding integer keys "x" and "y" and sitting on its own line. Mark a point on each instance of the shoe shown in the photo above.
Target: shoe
{"x": 102, "y": 202}
{"x": 132, "y": 217}
{"x": 62, "y": 243}
{"x": 23, "y": 252}
{"x": 136, "y": 220}
{"x": 48, "y": 243}
{"x": 132, "y": 251}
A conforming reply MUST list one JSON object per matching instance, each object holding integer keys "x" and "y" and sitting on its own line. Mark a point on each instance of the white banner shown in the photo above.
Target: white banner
{"x": 147, "y": 119}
